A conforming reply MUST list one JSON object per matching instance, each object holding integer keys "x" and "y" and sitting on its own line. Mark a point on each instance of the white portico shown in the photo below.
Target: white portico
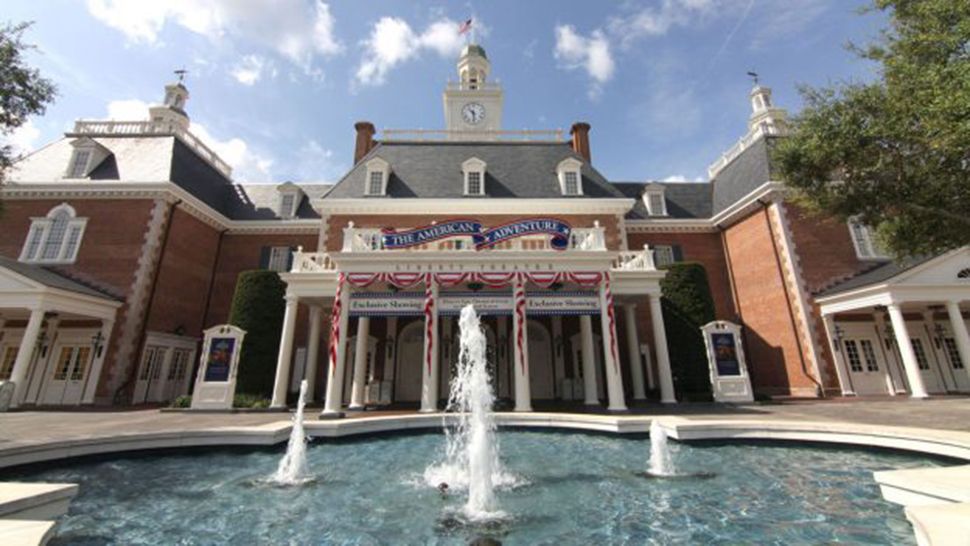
{"x": 902, "y": 327}
{"x": 520, "y": 285}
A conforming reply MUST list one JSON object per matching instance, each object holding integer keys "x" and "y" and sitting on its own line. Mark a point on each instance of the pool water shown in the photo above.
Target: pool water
{"x": 570, "y": 489}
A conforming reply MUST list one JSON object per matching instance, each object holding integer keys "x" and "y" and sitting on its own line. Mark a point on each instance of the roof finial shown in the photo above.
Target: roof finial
{"x": 754, "y": 76}
{"x": 181, "y": 72}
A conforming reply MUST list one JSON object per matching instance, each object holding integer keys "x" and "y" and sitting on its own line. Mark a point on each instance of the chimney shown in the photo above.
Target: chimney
{"x": 365, "y": 139}
{"x": 580, "y": 134}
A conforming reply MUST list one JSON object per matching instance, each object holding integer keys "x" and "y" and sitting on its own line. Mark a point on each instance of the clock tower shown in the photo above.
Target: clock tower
{"x": 473, "y": 105}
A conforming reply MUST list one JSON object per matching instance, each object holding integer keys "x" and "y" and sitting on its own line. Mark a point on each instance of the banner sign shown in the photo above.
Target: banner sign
{"x": 393, "y": 239}
{"x": 557, "y": 229}
{"x": 451, "y": 303}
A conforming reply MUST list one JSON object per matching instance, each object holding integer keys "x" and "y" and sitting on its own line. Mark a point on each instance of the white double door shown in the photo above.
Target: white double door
{"x": 68, "y": 375}
{"x": 163, "y": 374}
{"x": 927, "y": 359}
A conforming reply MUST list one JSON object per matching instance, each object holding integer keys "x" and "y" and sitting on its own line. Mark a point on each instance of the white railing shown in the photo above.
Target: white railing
{"x": 740, "y": 146}
{"x": 476, "y": 86}
{"x": 133, "y": 128}
{"x": 637, "y": 260}
{"x": 425, "y": 135}
{"x": 369, "y": 240}
{"x": 312, "y": 262}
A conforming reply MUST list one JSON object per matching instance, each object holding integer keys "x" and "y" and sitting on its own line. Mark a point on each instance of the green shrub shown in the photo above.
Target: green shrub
{"x": 687, "y": 305}
{"x": 246, "y": 400}
{"x": 258, "y": 307}
{"x": 184, "y": 401}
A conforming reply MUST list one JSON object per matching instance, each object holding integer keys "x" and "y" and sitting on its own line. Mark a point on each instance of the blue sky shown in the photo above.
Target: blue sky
{"x": 277, "y": 85}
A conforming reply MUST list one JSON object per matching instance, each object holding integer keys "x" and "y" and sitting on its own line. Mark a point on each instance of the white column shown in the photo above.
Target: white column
{"x": 520, "y": 346}
{"x": 633, "y": 348}
{"x": 360, "y": 364}
{"x": 959, "y": 333}
{"x": 589, "y": 361}
{"x": 313, "y": 352}
{"x": 663, "y": 358}
{"x": 390, "y": 350}
{"x": 285, "y": 359}
{"x": 913, "y": 374}
{"x": 91, "y": 388}
{"x": 611, "y": 361}
{"x": 24, "y": 355}
{"x": 893, "y": 368}
{"x": 337, "y": 349}
{"x": 558, "y": 361}
{"x": 648, "y": 364}
{"x": 840, "y": 369}
{"x": 429, "y": 366}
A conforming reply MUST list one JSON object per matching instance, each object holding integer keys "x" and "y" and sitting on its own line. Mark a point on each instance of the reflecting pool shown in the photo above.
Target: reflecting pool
{"x": 568, "y": 488}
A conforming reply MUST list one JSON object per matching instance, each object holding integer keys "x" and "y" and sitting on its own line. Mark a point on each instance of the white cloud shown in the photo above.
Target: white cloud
{"x": 247, "y": 164}
{"x": 392, "y": 41}
{"x": 681, "y": 178}
{"x": 316, "y": 163}
{"x": 591, "y": 54}
{"x": 295, "y": 29}
{"x": 23, "y": 139}
{"x": 252, "y": 68}
{"x": 659, "y": 19}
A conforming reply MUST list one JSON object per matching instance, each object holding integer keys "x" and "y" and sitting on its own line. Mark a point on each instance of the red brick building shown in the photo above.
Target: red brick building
{"x": 122, "y": 241}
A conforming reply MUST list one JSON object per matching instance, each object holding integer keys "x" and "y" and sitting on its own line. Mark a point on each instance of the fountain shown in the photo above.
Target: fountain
{"x": 661, "y": 465}
{"x": 293, "y": 468}
{"x": 471, "y": 456}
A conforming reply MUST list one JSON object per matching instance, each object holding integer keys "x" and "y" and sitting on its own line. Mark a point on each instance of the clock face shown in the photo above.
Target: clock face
{"x": 473, "y": 113}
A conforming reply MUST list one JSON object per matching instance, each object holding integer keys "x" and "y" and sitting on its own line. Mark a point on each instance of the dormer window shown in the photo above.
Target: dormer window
{"x": 54, "y": 238}
{"x": 474, "y": 175}
{"x": 570, "y": 176}
{"x": 87, "y": 155}
{"x": 290, "y": 197}
{"x": 653, "y": 199}
{"x": 378, "y": 172}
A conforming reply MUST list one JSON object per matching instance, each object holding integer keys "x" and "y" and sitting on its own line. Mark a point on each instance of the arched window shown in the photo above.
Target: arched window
{"x": 54, "y": 238}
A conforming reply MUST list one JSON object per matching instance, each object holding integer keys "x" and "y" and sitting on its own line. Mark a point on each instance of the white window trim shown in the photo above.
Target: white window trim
{"x": 653, "y": 191}
{"x": 570, "y": 164}
{"x": 865, "y": 247}
{"x": 43, "y": 225}
{"x": 279, "y": 257}
{"x": 96, "y": 154}
{"x": 473, "y": 165}
{"x": 663, "y": 255}
{"x": 377, "y": 165}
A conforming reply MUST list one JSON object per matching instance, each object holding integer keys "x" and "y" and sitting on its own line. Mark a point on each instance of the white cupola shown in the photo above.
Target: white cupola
{"x": 172, "y": 109}
{"x": 764, "y": 116}
{"x": 473, "y": 105}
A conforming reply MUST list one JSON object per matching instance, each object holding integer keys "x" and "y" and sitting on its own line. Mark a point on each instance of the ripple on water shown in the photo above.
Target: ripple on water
{"x": 569, "y": 489}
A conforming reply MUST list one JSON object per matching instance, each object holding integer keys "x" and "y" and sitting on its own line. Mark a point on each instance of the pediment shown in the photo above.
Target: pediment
{"x": 947, "y": 269}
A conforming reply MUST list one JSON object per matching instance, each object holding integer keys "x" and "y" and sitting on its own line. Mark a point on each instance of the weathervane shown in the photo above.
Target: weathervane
{"x": 181, "y": 72}
{"x": 754, "y": 76}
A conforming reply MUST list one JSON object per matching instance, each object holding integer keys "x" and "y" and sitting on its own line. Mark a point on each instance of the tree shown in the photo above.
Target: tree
{"x": 894, "y": 152}
{"x": 23, "y": 91}
{"x": 687, "y": 305}
{"x": 258, "y": 307}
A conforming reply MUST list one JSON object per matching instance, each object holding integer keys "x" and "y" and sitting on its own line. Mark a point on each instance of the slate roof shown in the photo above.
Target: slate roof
{"x": 51, "y": 278}
{"x": 875, "y": 275}
{"x": 743, "y": 175}
{"x": 262, "y": 201}
{"x": 433, "y": 170}
{"x": 684, "y": 199}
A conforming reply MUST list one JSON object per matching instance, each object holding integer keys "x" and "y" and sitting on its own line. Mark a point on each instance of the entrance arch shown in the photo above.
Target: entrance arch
{"x": 541, "y": 380}
{"x": 410, "y": 354}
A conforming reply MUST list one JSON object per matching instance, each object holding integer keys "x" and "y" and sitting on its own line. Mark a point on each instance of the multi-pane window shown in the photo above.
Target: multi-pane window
{"x": 81, "y": 359}
{"x": 852, "y": 354}
{"x": 375, "y": 184}
{"x": 179, "y": 366}
{"x": 870, "y": 355}
{"x": 474, "y": 183}
{"x": 287, "y": 205}
{"x": 663, "y": 255}
{"x": 655, "y": 203}
{"x": 63, "y": 363}
{"x": 866, "y": 247}
{"x": 572, "y": 182}
{"x": 924, "y": 363}
{"x": 79, "y": 164}
{"x": 279, "y": 258}
{"x": 7, "y": 361}
{"x": 953, "y": 353}
{"x": 151, "y": 366}
{"x": 54, "y": 238}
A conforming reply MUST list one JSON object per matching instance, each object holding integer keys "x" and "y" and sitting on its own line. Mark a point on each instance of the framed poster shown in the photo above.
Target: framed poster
{"x": 218, "y": 361}
{"x": 725, "y": 358}
{"x": 726, "y": 353}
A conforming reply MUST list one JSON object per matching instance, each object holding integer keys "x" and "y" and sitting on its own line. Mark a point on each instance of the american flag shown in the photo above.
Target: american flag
{"x": 465, "y": 27}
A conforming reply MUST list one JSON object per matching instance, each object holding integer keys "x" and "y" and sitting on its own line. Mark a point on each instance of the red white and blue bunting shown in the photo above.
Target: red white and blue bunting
{"x": 335, "y": 323}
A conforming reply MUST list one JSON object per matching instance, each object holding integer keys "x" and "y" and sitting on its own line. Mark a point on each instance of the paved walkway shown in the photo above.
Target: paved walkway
{"x": 945, "y": 413}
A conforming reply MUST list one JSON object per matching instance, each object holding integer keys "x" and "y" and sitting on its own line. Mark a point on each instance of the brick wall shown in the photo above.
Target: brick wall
{"x": 705, "y": 249}
{"x": 775, "y": 355}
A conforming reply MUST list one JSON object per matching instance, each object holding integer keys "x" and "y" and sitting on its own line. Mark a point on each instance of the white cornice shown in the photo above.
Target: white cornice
{"x": 383, "y": 205}
{"x": 701, "y": 225}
